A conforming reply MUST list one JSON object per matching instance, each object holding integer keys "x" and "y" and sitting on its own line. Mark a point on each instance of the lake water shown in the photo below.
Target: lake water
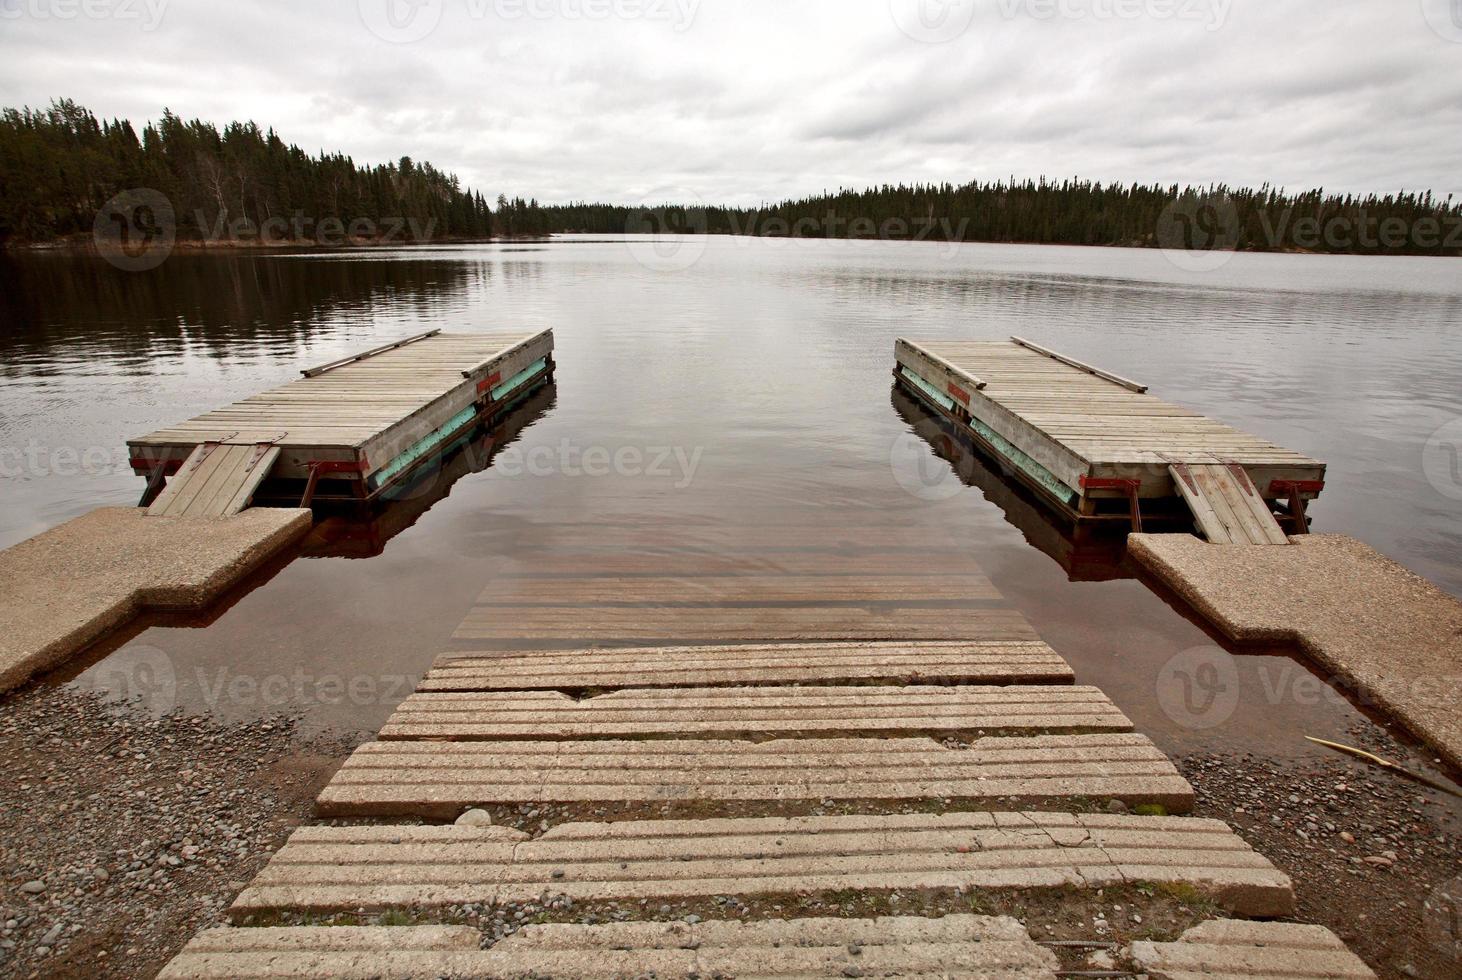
{"x": 740, "y": 384}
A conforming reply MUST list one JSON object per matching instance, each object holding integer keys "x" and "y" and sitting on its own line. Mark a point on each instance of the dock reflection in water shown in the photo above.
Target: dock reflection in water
{"x": 350, "y": 533}
{"x": 1086, "y": 553}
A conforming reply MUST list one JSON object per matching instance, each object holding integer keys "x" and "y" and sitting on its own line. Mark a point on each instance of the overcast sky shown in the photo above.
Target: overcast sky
{"x": 738, "y": 101}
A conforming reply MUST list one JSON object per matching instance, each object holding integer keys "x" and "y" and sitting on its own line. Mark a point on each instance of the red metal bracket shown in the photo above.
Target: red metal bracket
{"x": 330, "y": 466}
{"x": 1295, "y": 490}
{"x": 261, "y": 448}
{"x": 1127, "y": 486}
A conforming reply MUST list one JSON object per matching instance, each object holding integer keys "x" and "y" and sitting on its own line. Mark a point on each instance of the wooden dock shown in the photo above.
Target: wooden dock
{"x": 1099, "y": 447}
{"x": 346, "y": 430}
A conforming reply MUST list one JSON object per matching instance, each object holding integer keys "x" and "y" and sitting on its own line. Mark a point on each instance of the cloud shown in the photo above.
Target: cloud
{"x": 752, "y": 100}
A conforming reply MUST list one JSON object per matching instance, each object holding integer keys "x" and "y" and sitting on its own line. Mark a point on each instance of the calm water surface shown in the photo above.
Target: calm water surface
{"x": 763, "y": 368}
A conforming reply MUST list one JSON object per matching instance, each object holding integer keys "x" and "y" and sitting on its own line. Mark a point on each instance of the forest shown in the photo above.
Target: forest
{"x": 61, "y": 169}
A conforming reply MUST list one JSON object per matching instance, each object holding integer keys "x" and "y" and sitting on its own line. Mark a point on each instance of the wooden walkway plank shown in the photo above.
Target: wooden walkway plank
{"x": 433, "y": 781}
{"x": 755, "y": 712}
{"x": 326, "y": 869}
{"x": 1228, "y": 949}
{"x": 679, "y": 625}
{"x": 956, "y": 945}
{"x": 943, "y": 662}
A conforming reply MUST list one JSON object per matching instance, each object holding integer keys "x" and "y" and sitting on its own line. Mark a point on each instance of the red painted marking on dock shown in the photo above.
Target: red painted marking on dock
{"x": 959, "y": 392}
{"x": 491, "y": 381}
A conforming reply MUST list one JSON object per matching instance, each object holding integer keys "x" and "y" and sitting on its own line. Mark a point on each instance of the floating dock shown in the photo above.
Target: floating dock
{"x": 1100, "y": 447}
{"x": 347, "y": 430}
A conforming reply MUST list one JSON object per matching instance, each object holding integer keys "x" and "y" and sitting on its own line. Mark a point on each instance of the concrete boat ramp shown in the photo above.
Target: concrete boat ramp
{"x": 703, "y": 777}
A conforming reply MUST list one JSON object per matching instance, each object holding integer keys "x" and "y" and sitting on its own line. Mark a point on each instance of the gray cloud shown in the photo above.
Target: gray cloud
{"x": 753, "y": 100}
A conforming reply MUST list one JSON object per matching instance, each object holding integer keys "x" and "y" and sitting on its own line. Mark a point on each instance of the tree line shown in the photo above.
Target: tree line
{"x": 61, "y": 168}
{"x": 1068, "y": 212}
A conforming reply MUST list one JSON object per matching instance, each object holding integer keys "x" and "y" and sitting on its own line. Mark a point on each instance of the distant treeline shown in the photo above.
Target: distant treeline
{"x": 1068, "y": 212}
{"x": 61, "y": 169}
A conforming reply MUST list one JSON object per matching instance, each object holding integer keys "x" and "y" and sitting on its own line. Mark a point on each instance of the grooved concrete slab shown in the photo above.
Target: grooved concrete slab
{"x": 1392, "y": 635}
{"x": 380, "y": 867}
{"x": 432, "y": 780}
{"x": 737, "y": 712}
{"x": 963, "y": 945}
{"x": 787, "y": 663}
{"x": 1232, "y": 950}
{"x": 65, "y": 589}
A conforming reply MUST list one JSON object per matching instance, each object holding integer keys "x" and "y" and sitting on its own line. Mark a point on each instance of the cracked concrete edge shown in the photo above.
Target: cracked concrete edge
{"x": 166, "y": 598}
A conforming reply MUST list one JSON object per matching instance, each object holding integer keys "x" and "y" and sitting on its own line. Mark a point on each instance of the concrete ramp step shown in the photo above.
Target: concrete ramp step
{"x": 432, "y": 780}
{"x": 380, "y": 867}
{"x": 788, "y": 663}
{"x": 1233, "y": 950}
{"x": 740, "y": 712}
{"x": 963, "y": 945}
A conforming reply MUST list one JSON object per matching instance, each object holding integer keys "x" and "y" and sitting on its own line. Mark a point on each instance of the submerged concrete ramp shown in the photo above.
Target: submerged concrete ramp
{"x": 432, "y": 780}
{"x": 1389, "y": 634}
{"x": 1232, "y": 950}
{"x": 67, "y": 588}
{"x": 934, "y": 662}
{"x": 755, "y": 712}
{"x": 957, "y": 945}
{"x": 328, "y": 869}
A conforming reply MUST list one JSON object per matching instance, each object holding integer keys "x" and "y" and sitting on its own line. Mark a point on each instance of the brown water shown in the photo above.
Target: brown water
{"x": 748, "y": 388}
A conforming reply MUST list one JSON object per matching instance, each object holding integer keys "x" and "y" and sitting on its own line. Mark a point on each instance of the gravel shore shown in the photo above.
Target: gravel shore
{"x": 122, "y": 834}
{"x": 1374, "y": 856}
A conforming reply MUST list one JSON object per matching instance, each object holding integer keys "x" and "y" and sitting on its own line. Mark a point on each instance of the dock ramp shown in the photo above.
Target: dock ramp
{"x": 218, "y": 479}
{"x": 1226, "y": 505}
